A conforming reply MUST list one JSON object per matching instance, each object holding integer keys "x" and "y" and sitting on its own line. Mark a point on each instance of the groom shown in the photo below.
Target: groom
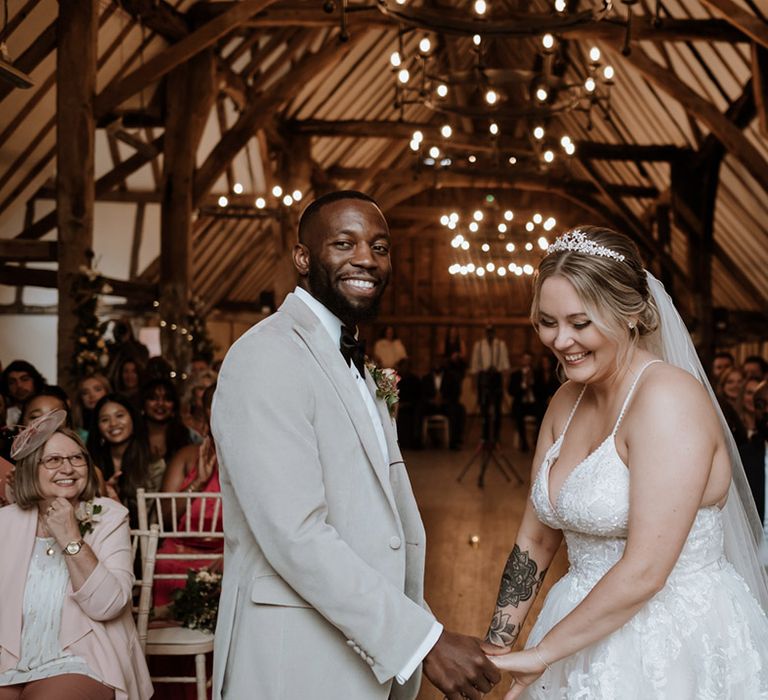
{"x": 322, "y": 595}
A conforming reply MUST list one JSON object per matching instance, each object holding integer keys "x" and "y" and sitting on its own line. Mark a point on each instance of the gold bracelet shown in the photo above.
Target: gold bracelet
{"x": 541, "y": 658}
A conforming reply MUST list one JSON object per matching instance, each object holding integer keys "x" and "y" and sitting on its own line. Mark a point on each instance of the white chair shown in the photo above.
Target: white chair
{"x": 142, "y": 609}
{"x": 177, "y": 640}
{"x": 436, "y": 424}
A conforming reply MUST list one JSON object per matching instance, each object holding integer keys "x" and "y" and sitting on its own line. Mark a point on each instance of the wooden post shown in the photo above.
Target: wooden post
{"x": 295, "y": 173}
{"x": 189, "y": 97}
{"x": 693, "y": 202}
{"x": 76, "y": 70}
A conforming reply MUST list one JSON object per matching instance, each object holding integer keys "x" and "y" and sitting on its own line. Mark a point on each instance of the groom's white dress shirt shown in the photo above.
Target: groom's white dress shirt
{"x": 332, "y": 324}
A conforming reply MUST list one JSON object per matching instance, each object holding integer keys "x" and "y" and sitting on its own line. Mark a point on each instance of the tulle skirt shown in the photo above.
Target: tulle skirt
{"x": 702, "y": 637}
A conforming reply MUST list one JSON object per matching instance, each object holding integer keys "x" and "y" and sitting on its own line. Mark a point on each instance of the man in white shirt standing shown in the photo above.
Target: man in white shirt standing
{"x": 490, "y": 364}
{"x": 322, "y": 595}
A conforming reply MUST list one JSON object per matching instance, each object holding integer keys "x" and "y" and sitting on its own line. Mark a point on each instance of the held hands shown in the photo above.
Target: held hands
{"x": 457, "y": 667}
{"x": 524, "y": 666}
{"x": 60, "y": 521}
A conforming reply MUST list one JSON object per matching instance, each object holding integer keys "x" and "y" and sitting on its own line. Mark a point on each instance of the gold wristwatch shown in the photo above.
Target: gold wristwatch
{"x": 73, "y": 548}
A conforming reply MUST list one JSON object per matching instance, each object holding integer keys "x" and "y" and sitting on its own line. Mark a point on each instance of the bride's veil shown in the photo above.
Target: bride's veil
{"x": 745, "y": 544}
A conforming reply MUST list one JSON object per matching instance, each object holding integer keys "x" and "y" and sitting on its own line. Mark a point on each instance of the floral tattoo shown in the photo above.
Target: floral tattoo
{"x": 518, "y": 583}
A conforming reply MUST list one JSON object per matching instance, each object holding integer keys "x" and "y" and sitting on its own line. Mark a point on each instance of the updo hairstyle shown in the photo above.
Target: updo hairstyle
{"x": 615, "y": 293}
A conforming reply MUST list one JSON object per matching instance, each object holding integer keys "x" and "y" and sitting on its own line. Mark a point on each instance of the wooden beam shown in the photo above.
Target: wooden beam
{"x": 501, "y": 178}
{"x": 102, "y": 186}
{"x": 591, "y": 150}
{"x": 760, "y": 86}
{"x": 729, "y": 134}
{"x": 75, "y": 147}
{"x": 262, "y": 109}
{"x": 404, "y": 130}
{"x": 14, "y": 276}
{"x": 159, "y": 16}
{"x": 14, "y": 249}
{"x": 164, "y": 62}
{"x": 190, "y": 92}
{"x": 31, "y": 58}
{"x": 482, "y": 321}
{"x": 644, "y": 28}
{"x": 734, "y": 13}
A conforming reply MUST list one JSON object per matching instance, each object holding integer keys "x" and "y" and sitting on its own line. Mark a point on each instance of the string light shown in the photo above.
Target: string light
{"x": 474, "y": 226}
{"x": 542, "y": 95}
{"x": 237, "y": 188}
{"x": 485, "y": 247}
{"x": 494, "y": 128}
{"x": 442, "y": 90}
{"x": 395, "y": 60}
{"x": 260, "y": 202}
{"x": 297, "y": 195}
{"x": 223, "y": 201}
{"x": 480, "y": 7}
{"x": 594, "y": 54}
{"x": 425, "y": 45}
{"x": 538, "y": 133}
{"x": 434, "y": 152}
{"x": 277, "y": 191}
{"x": 548, "y": 42}
{"x": 446, "y": 131}
{"x": 477, "y": 215}
{"x": 476, "y": 39}
{"x": 491, "y": 97}
{"x": 403, "y": 75}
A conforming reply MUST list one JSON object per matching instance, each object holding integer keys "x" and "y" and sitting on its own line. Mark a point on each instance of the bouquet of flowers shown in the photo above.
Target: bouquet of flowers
{"x": 196, "y": 605}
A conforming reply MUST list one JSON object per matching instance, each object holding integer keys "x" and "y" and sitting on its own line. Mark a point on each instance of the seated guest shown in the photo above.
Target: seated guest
{"x": 89, "y": 390}
{"x": 125, "y": 376}
{"x": 388, "y": 350}
{"x": 162, "y": 418}
{"x": 755, "y": 367}
{"x": 722, "y": 361}
{"x": 193, "y": 469}
{"x": 49, "y": 398}
{"x": 748, "y": 405}
{"x": 442, "y": 396}
{"x": 18, "y": 382}
{"x": 754, "y": 451}
{"x": 192, "y": 409}
{"x": 118, "y": 445}
{"x": 66, "y": 627}
{"x": 728, "y": 392}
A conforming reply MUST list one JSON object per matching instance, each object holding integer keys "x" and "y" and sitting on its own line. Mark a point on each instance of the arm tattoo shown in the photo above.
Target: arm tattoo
{"x": 518, "y": 583}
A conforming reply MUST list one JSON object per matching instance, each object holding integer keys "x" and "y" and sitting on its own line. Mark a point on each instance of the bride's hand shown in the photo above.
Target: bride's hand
{"x": 525, "y": 668}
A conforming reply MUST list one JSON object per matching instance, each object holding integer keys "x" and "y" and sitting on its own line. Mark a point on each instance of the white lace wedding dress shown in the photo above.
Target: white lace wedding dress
{"x": 702, "y": 637}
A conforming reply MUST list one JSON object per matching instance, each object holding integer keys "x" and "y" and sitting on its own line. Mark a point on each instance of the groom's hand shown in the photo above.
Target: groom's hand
{"x": 457, "y": 666}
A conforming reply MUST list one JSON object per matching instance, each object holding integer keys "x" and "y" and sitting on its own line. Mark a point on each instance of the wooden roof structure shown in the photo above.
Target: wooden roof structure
{"x": 164, "y": 106}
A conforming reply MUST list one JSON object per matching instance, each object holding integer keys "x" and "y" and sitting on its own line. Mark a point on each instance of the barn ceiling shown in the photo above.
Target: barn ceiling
{"x": 306, "y": 98}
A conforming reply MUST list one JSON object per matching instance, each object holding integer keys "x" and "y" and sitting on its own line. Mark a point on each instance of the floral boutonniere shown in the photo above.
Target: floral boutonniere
{"x": 87, "y": 514}
{"x": 386, "y": 385}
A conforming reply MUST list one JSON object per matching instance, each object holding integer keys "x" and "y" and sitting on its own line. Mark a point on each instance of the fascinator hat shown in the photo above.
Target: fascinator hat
{"x": 36, "y": 433}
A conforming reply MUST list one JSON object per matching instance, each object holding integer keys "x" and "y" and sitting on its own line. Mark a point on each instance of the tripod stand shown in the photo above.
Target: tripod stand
{"x": 487, "y": 451}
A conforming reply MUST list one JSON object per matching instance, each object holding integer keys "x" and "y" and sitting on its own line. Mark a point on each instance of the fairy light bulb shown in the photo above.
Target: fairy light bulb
{"x": 223, "y": 201}
{"x": 548, "y": 42}
{"x": 491, "y": 97}
{"x": 537, "y": 218}
{"x": 543, "y": 243}
{"x": 417, "y": 136}
{"x": 474, "y": 226}
{"x": 501, "y": 271}
{"x": 477, "y": 215}
{"x": 395, "y": 59}
{"x": 589, "y": 84}
{"x": 502, "y": 228}
{"x": 542, "y": 94}
{"x": 434, "y": 152}
{"x": 480, "y": 7}
{"x": 287, "y": 200}
{"x": 490, "y": 266}
{"x": 509, "y": 215}
{"x": 493, "y": 128}
{"x": 476, "y": 39}
{"x": 260, "y": 202}
{"x": 237, "y": 188}
{"x": 441, "y": 90}
{"x": 446, "y": 131}
{"x": 480, "y": 272}
{"x": 538, "y": 133}
{"x": 465, "y": 245}
{"x": 510, "y": 248}
{"x": 425, "y": 45}
{"x": 403, "y": 75}
{"x": 485, "y": 247}
{"x": 608, "y": 72}
{"x": 594, "y": 54}
{"x": 512, "y": 160}
{"x": 529, "y": 226}
{"x": 277, "y": 191}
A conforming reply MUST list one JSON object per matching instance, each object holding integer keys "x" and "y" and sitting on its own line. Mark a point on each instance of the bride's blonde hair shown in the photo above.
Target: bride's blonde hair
{"x": 614, "y": 291}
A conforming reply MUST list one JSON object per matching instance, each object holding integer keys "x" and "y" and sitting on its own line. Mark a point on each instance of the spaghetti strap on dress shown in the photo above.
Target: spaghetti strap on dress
{"x": 702, "y": 637}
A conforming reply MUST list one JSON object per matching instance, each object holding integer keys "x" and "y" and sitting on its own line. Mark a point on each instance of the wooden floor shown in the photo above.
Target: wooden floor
{"x": 462, "y": 578}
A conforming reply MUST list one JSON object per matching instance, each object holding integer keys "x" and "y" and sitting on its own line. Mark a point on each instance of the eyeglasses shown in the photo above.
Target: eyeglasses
{"x": 57, "y": 461}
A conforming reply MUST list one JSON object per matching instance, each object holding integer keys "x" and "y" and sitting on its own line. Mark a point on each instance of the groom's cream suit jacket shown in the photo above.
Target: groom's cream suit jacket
{"x": 324, "y": 546}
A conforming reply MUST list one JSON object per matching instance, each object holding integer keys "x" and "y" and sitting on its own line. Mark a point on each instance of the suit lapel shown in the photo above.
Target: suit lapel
{"x": 319, "y": 344}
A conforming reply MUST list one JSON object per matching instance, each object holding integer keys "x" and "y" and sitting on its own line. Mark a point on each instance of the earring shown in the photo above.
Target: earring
{"x": 631, "y": 325}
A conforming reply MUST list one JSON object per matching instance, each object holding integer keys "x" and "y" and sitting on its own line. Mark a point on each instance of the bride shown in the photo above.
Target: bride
{"x": 664, "y": 597}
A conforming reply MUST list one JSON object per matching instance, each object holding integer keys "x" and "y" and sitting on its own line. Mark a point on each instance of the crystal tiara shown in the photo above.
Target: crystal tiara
{"x": 577, "y": 242}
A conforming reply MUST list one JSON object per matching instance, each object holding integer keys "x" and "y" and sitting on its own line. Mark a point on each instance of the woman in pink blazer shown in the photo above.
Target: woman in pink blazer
{"x": 66, "y": 574}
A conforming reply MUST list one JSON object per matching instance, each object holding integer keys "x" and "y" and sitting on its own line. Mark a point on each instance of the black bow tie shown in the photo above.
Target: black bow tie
{"x": 352, "y": 349}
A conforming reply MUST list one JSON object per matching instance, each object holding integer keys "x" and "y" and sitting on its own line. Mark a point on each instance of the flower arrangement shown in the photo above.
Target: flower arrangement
{"x": 90, "y": 349}
{"x": 87, "y": 514}
{"x": 386, "y": 381}
{"x": 198, "y": 336}
{"x": 196, "y": 605}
